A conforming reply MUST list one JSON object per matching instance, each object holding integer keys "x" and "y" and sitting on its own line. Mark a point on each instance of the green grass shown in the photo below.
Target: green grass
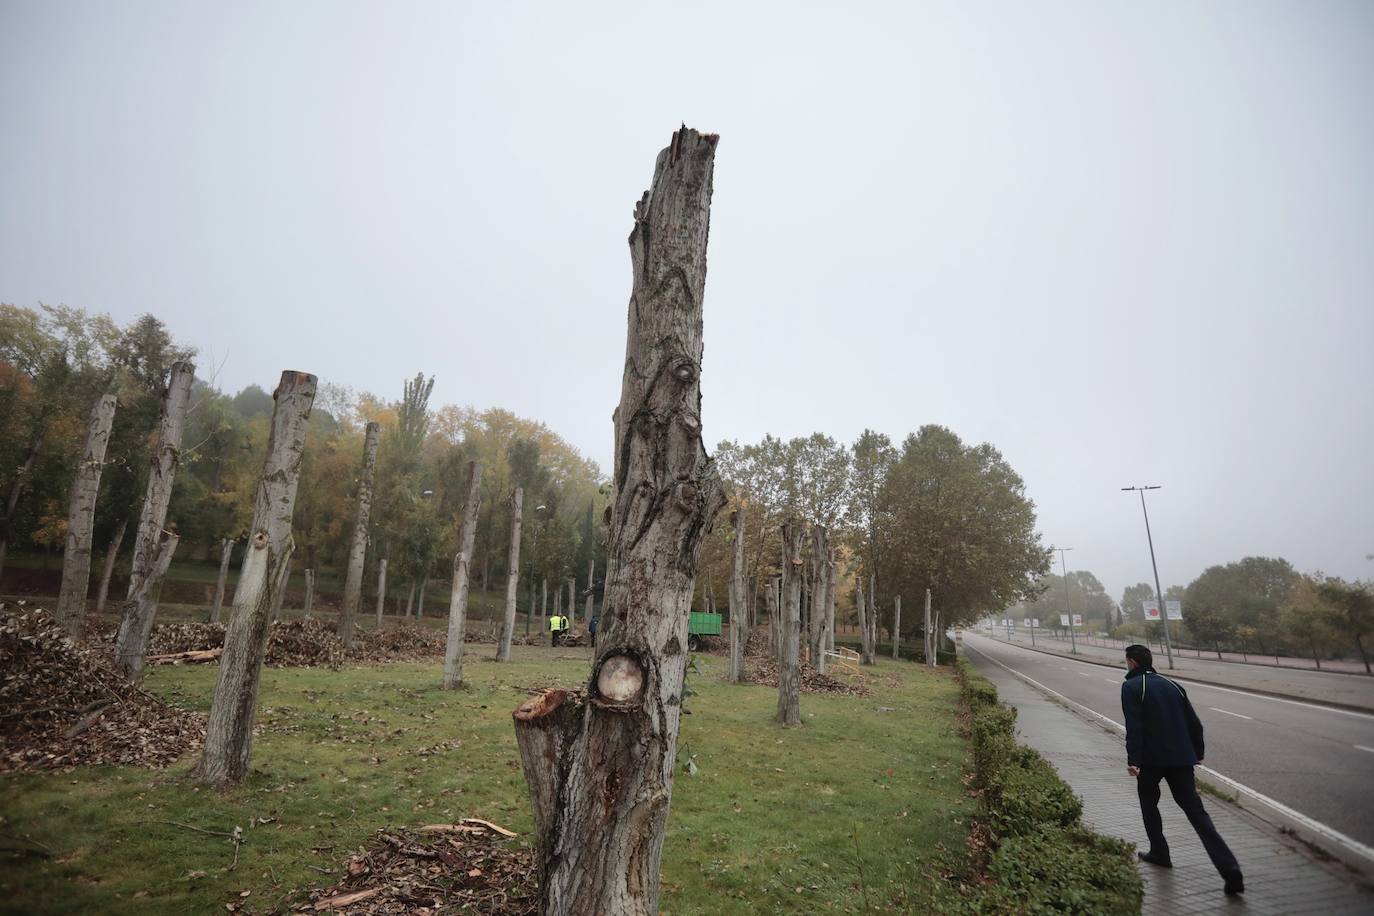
{"x": 860, "y": 804}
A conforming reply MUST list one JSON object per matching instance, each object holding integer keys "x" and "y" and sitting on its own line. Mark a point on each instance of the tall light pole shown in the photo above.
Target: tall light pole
{"x": 1064, "y": 569}
{"x": 1159, "y": 593}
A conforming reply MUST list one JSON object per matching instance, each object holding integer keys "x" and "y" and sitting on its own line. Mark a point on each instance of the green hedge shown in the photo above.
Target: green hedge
{"x": 1044, "y": 859}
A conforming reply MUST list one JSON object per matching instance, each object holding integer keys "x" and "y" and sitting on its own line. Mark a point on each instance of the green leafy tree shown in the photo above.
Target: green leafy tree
{"x": 1351, "y": 611}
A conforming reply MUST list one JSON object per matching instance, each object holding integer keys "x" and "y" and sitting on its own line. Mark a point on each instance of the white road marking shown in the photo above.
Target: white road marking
{"x": 1084, "y": 674}
{"x": 1312, "y": 824}
{"x": 1229, "y": 713}
{"x": 1361, "y": 747}
{"x": 1246, "y": 693}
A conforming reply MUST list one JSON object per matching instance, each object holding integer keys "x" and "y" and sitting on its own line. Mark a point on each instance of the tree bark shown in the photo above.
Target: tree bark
{"x": 865, "y": 647}
{"x": 424, "y": 587}
{"x": 280, "y": 598}
{"x": 590, "y": 609}
{"x": 229, "y": 730}
{"x": 517, "y": 503}
{"x": 76, "y": 559}
{"x": 544, "y": 607}
{"x": 381, "y": 590}
{"x": 872, "y": 618}
{"x": 225, "y": 554}
{"x": 820, "y": 568}
{"x": 140, "y": 608}
{"x": 110, "y": 553}
{"x": 600, "y": 766}
{"x": 830, "y": 588}
{"x": 357, "y": 551}
{"x": 17, "y": 488}
{"x": 458, "y": 597}
{"x": 410, "y": 599}
{"x": 309, "y": 591}
{"x": 930, "y": 654}
{"x": 789, "y": 668}
{"x": 572, "y": 602}
{"x": 739, "y": 611}
{"x": 896, "y": 627}
{"x": 770, "y": 598}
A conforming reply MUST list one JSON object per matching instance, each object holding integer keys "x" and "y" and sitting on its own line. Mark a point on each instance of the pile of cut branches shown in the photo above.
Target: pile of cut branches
{"x": 764, "y": 670}
{"x": 307, "y": 643}
{"x": 403, "y": 642}
{"x": 469, "y": 867}
{"x": 60, "y": 705}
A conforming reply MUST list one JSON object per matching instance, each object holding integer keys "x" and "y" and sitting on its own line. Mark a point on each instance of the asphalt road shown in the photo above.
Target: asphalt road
{"x": 1314, "y": 759}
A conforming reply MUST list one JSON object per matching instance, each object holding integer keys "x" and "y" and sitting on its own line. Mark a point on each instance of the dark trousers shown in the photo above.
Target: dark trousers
{"x": 1184, "y": 790}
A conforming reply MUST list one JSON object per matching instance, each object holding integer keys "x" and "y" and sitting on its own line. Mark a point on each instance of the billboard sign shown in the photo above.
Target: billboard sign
{"x": 1063, "y": 620}
{"x": 1174, "y": 610}
{"x": 1035, "y": 623}
{"x": 1151, "y": 607}
{"x": 1078, "y": 620}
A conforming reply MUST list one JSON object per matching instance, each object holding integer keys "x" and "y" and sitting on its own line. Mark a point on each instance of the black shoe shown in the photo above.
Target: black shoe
{"x": 1235, "y": 883}
{"x": 1161, "y": 861}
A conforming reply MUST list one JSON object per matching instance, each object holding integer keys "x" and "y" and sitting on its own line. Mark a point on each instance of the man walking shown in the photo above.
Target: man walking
{"x": 1164, "y": 742}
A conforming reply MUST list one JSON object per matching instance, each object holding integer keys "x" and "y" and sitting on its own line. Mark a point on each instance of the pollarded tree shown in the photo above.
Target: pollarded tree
{"x": 353, "y": 578}
{"x": 600, "y": 765}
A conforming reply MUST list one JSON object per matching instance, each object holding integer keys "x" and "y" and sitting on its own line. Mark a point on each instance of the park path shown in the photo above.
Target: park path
{"x": 1281, "y": 876}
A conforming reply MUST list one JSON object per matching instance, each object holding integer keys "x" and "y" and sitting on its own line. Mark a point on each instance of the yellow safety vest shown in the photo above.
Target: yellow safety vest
{"x": 555, "y": 624}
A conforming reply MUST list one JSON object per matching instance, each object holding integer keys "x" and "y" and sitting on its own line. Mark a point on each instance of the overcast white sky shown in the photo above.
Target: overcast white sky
{"x": 1126, "y": 243}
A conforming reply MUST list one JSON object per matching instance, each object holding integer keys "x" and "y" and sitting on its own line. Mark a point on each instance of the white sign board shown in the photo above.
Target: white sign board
{"x": 1151, "y": 609}
{"x": 1025, "y": 622}
{"x": 1063, "y": 620}
{"x": 1035, "y": 622}
{"x": 1174, "y": 610}
{"x": 1078, "y": 620}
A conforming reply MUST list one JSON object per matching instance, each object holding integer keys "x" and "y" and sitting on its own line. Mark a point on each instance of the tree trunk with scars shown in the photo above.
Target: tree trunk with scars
{"x": 739, "y": 610}
{"x": 789, "y": 668}
{"x": 462, "y": 568}
{"x": 76, "y": 558}
{"x": 896, "y": 626}
{"x": 357, "y": 551}
{"x": 381, "y": 590}
{"x": 831, "y": 586}
{"x": 110, "y": 554}
{"x": 517, "y": 503}
{"x": 225, "y": 554}
{"x": 229, "y": 730}
{"x": 600, "y": 764}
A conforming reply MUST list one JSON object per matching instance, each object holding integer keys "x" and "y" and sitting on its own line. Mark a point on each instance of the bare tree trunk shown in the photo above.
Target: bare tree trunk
{"x": 76, "y": 559}
{"x": 309, "y": 591}
{"x": 229, "y": 730}
{"x": 225, "y": 554}
{"x": 280, "y": 597}
{"x": 141, "y": 606}
{"x": 557, "y": 601}
{"x": 774, "y": 619}
{"x": 17, "y": 488}
{"x": 600, "y": 767}
{"x": 831, "y": 586}
{"x": 896, "y": 627}
{"x": 381, "y": 590}
{"x": 930, "y": 653}
{"x": 544, "y": 608}
{"x": 590, "y": 610}
{"x": 110, "y": 553}
{"x": 872, "y": 651}
{"x": 529, "y": 605}
{"x": 424, "y": 587}
{"x": 517, "y": 502}
{"x": 458, "y": 598}
{"x": 789, "y": 669}
{"x": 820, "y": 579}
{"x": 410, "y": 599}
{"x": 938, "y": 639}
{"x": 572, "y": 602}
{"x": 357, "y": 551}
{"x": 865, "y": 649}
{"x": 739, "y": 611}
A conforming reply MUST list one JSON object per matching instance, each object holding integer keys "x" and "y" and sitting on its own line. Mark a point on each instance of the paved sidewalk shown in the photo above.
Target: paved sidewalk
{"x": 1355, "y": 691}
{"x": 1280, "y": 876}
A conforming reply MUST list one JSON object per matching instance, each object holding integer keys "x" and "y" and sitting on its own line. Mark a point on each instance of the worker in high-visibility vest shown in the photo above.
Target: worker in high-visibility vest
{"x": 555, "y": 628}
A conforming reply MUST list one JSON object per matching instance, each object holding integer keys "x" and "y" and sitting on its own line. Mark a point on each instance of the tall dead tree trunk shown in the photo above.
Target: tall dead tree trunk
{"x": 600, "y": 765}
{"x": 110, "y": 554}
{"x": 739, "y": 611}
{"x": 544, "y": 607}
{"x": 590, "y": 610}
{"x": 229, "y": 730}
{"x": 865, "y": 647}
{"x": 820, "y": 579}
{"x": 930, "y": 654}
{"x": 76, "y": 559}
{"x": 517, "y": 504}
{"x": 831, "y": 586}
{"x": 309, "y": 591}
{"x": 462, "y": 567}
{"x": 572, "y": 602}
{"x": 357, "y": 551}
{"x": 789, "y": 668}
{"x": 873, "y": 618}
{"x": 381, "y": 590}
{"x": 226, "y": 552}
{"x": 896, "y": 627}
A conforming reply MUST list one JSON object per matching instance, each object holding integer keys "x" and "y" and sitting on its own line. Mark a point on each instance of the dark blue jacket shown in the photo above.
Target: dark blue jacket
{"x": 1161, "y": 728}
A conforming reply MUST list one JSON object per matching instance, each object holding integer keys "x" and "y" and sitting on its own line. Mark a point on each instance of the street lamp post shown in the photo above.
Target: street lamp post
{"x": 1068, "y": 602}
{"x": 1159, "y": 593}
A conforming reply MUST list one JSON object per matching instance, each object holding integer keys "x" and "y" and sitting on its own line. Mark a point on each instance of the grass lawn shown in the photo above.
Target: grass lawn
{"x": 861, "y": 809}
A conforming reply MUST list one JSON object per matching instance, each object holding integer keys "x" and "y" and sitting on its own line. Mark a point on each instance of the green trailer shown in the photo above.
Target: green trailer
{"x": 701, "y": 624}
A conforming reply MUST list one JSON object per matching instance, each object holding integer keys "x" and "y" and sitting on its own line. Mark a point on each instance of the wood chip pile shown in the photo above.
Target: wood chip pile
{"x": 60, "y": 705}
{"x": 469, "y": 867}
{"x": 764, "y": 670}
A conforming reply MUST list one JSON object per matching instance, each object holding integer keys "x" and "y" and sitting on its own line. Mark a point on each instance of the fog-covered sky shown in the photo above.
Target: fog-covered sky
{"x": 1125, "y": 243}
